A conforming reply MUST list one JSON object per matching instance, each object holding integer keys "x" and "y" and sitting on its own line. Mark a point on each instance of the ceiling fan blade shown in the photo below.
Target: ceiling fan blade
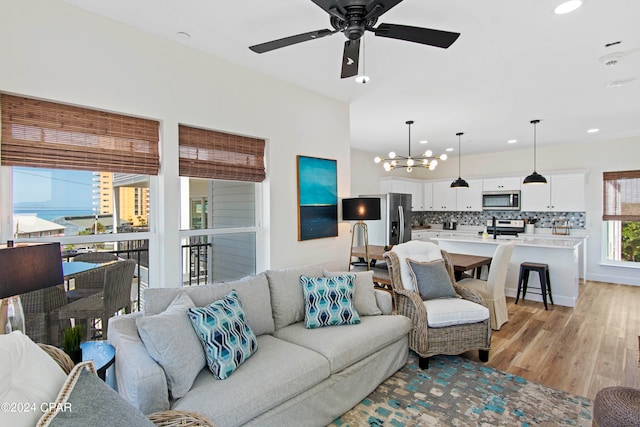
{"x": 428, "y": 36}
{"x": 288, "y": 41}
{"x": 350, "y": 58}
{"x": 376, "y": 8}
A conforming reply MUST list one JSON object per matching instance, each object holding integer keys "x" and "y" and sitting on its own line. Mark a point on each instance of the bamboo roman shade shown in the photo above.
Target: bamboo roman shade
{"x": 621, "y": 196}
{"x": 217, "y": 155}
{"x": 45, "y": 134}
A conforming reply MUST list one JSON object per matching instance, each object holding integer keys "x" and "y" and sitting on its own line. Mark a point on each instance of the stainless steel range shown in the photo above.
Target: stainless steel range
{"x": 505, "y": 227}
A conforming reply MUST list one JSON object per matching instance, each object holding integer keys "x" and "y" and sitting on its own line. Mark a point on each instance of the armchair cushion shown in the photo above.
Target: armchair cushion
{"x": 328, "y": 301}
{"x": 224, "y": 333}
{"x": 431, "y": 279}
{"x": 172, "y": 342}
{"x": 364, "y": 292}
{"x": 454, "y": 311}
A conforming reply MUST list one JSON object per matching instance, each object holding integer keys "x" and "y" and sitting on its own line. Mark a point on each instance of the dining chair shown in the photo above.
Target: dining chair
{"x": 92, "y": 280}
{"x": 115, "y": 296}
{"x": 492, "y": 290}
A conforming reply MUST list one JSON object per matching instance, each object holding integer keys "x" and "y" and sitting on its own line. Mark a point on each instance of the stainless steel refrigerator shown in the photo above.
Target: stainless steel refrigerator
{"x": 395, "y": 224}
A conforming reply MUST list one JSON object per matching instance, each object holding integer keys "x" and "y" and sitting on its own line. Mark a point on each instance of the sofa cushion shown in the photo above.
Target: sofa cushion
{"x": 328, "y": 301}
{"x": 28, "y": 377}
{"x": 253, "y": 292}
{"x": 431, "y": 279}
{"x": 227, "y": 339}
{"x": 275, "y": 374}
{"x": 85, "y": 400}
{"x": 347, "y": 344}
{"x": 454, "y": 311}
{"x": 168, "y": 336}
{"x": 287, "y": 300}
{"x": 364, "y": 293}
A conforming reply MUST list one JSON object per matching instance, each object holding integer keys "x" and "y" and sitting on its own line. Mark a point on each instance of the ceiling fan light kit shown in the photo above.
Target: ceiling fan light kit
{"x": 459, "y": 183}
{"x": 353, "y": 18}
{"x": 535, "y": 177}
{"x": 394, "y": 161}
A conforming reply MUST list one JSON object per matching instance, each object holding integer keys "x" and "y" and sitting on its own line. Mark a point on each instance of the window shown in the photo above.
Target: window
{"x": 221, "y": 175}
{"x": 621, "y": 216}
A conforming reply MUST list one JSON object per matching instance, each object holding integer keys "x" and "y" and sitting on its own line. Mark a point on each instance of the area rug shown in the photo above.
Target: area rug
{"x": 458, "y": 392}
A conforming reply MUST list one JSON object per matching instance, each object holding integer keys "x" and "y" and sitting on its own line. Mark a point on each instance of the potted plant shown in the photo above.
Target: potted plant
{"x": 71, "y": 342}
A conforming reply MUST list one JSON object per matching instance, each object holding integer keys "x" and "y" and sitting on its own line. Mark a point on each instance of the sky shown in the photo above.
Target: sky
{"x": 52, "y": 189}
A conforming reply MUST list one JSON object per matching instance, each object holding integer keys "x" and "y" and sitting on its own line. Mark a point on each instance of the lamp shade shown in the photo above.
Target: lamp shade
{"x": 361, "y": 209}
{"x": 29, "y": 268}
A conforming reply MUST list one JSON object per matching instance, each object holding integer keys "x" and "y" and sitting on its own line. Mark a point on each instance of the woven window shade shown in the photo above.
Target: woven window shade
{"x": 45, "y": 134}
{"x": 217, "y": 155}
{"x": 621, "y": 196}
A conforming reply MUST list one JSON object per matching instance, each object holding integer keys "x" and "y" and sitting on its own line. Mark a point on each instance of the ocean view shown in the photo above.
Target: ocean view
{"x": 50, "y": 214}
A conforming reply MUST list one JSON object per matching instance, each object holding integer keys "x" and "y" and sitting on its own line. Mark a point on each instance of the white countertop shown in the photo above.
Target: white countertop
{"x": 522, "y": 240}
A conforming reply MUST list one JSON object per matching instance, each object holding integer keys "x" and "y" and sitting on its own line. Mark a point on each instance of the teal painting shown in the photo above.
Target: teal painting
{"x": 317, "y": 198}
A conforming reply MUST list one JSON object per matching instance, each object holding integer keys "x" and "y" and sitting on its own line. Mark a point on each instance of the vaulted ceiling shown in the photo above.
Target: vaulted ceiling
{"x": 515, "y": 61}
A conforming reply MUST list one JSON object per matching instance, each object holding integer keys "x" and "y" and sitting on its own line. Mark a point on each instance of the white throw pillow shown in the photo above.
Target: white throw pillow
{"x": 364, "y": 296}
{"x": 29, "y": 379}
{"x": 172, "y": 342}
{"x": 454, "y": 311}
{"x": 418, "y": 251}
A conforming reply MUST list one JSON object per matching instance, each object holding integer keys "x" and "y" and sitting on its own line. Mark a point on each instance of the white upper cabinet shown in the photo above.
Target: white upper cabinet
{"x": 501, "y": 184}
{"x": 469, "y": 199}
{"x": 407, "y": 186}
{"x": 444, "y": 197}
{"x": 427, "y": 193}
{"x": 562, "y": 193}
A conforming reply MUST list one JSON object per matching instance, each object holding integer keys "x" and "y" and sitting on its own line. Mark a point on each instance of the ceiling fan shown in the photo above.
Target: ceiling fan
{"x": 353, "y": 18}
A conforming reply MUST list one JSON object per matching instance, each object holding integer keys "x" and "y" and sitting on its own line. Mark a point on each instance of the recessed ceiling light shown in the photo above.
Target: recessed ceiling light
{"x": 567, "y": 7}
{"x": 424, "y": 141}
{"x": 594, "y": 130}
{"x": 449, "y": 149}
{"x": 512, "y": 141}
{"x": 183, "y": 35}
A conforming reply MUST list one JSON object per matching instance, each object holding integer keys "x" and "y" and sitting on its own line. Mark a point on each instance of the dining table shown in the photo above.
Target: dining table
{"x": 461, "y": 262}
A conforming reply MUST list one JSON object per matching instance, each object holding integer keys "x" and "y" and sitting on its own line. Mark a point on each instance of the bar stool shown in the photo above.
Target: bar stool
{"x": 545, "y": 282}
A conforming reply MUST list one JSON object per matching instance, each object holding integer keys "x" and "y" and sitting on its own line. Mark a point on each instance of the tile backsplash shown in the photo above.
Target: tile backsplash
{"x": 577, "y": 220}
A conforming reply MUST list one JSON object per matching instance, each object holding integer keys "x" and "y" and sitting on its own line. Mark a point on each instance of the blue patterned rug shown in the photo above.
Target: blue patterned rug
{"x": 458, "y": 392}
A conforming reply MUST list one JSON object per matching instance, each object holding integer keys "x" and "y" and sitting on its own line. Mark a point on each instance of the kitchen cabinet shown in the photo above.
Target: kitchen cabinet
{"x": 427, "y": 196}
{"x": 444, "y": 197}
{"x": 562, "y": 193}
{"x": 501, "y": 183}
{"x": 424, "y": 235}
{"x": 407, "y": 186}
{"x": 469, "y": 199}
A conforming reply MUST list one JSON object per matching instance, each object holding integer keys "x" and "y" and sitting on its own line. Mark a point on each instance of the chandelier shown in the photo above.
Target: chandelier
{"x": 426, "y": 160}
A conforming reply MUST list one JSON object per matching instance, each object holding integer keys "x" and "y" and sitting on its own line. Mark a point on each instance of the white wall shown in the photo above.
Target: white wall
{"x": 595, "y": 157}
{"x": 53, "y": 51}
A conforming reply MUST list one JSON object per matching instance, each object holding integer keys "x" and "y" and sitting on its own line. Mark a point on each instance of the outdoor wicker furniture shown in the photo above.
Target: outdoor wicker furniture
{"x": 427, "y": 341}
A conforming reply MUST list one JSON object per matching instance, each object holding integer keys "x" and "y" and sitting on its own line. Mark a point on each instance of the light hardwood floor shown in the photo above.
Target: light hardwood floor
{"x": 578, "y": 350}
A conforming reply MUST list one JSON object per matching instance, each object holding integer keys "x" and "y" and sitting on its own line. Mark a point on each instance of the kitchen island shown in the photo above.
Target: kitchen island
{"x": 560, "y": 254}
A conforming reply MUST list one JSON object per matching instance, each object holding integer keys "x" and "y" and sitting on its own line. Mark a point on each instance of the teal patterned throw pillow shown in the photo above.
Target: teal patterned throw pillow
{"x": 328, "y": 301}
{"x": 224, "y": 333}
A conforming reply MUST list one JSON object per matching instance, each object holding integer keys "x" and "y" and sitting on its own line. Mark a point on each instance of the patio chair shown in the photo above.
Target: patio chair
{"x": 492, "y": 290}
{"x": 443, "y": 325}
{"x": 115, "y": 296}
{"x": 41, "y": 318}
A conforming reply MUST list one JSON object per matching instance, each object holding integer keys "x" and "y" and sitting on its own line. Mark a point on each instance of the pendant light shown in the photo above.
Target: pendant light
{"x": 459, "y": 183}
{"x": 535, "y": 177}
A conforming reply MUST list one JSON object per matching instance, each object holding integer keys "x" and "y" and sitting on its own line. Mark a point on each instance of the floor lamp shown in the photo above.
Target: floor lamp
{"x": 360, "y": 209}
{"x": 25, "y": 268}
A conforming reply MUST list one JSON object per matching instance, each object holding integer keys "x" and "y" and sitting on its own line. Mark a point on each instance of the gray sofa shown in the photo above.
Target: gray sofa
{"x": 297, "y": 376}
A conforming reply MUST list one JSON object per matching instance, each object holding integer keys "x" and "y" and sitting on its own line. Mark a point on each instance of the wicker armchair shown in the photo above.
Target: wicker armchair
{"x": 427, "y": 341}
{"x": 115, "y": 296}
{"x": 169, "y": 418}
{"x": 41, "y": 316}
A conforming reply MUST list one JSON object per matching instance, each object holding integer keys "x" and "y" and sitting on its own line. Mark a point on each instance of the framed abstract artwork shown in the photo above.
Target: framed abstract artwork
{"x": 317, "y": 198}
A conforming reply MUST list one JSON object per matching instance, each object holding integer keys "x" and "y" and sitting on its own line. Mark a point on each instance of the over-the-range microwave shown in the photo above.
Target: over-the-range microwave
{"x": 501, "y": 200}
